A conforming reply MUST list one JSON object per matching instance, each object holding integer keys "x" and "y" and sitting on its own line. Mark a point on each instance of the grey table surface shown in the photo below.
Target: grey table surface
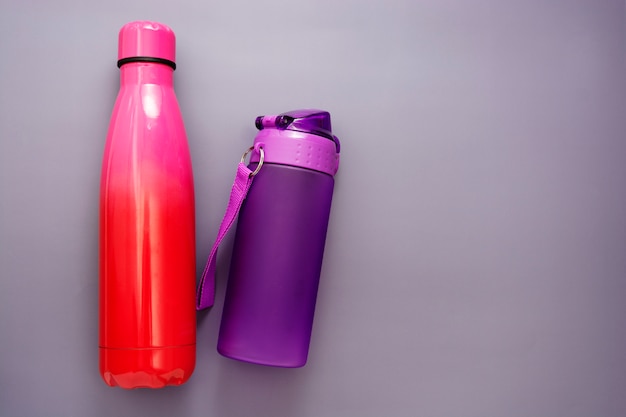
{"x": 476, "y": 258}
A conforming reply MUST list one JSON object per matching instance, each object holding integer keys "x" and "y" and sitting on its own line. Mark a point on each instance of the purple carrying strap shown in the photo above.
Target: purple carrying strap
{"x": 205, "y": 295}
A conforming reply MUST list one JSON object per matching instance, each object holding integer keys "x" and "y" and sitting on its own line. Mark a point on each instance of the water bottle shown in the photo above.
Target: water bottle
{"x": 279, "y": 243}
{"x": 147, "y": 232}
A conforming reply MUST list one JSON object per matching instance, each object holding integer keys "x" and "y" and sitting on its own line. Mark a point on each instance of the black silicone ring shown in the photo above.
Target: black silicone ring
{"x": 167, "y": 62}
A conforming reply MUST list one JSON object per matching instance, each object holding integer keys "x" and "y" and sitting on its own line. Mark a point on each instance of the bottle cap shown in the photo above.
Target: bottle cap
{"x": 145, "y": 41}
{"x": 313, "y": 121}
{"x": 300, "y": 138}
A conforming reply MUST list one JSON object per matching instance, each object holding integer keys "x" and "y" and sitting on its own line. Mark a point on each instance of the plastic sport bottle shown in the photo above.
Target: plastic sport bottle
{"x": 279, "y": 244}
{"x": 147, "y": 231}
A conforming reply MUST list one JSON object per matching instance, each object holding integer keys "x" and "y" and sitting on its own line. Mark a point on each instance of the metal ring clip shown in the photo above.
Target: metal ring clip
{"x": 261, "y": 159}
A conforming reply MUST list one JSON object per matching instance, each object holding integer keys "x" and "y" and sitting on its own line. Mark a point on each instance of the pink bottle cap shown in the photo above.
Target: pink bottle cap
{"x": 145, "y": 41}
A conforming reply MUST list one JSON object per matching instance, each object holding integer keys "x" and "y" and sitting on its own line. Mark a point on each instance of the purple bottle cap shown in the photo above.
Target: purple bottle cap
{"x": 313, "y": 121}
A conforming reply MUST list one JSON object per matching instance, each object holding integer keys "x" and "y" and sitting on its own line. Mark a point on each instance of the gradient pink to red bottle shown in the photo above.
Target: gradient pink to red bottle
{"x": 147, "y": 231}
{"x": 279, "y": 244}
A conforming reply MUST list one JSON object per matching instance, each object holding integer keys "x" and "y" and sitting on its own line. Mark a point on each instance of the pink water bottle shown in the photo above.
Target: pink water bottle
{"x": 147, "y": 231}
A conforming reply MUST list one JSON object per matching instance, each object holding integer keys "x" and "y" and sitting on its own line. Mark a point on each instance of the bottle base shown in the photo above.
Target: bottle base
{"x": 147, "y": 367}
{"x": 260, "y": 360}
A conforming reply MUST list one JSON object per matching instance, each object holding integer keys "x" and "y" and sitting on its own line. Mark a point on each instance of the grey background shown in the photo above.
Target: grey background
{"x": 476, "y": 258}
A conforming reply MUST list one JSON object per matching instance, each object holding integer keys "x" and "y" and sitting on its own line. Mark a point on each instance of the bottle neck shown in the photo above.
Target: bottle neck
{"x": 146, "y": 73}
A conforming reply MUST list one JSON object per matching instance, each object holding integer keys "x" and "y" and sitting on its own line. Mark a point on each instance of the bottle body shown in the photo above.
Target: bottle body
{"x": 275, "y": 267}
{"x": 147, "y": 236}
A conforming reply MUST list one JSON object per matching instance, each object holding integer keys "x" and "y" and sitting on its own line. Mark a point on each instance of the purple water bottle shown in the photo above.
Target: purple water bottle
{"x": 279, "y": 245}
